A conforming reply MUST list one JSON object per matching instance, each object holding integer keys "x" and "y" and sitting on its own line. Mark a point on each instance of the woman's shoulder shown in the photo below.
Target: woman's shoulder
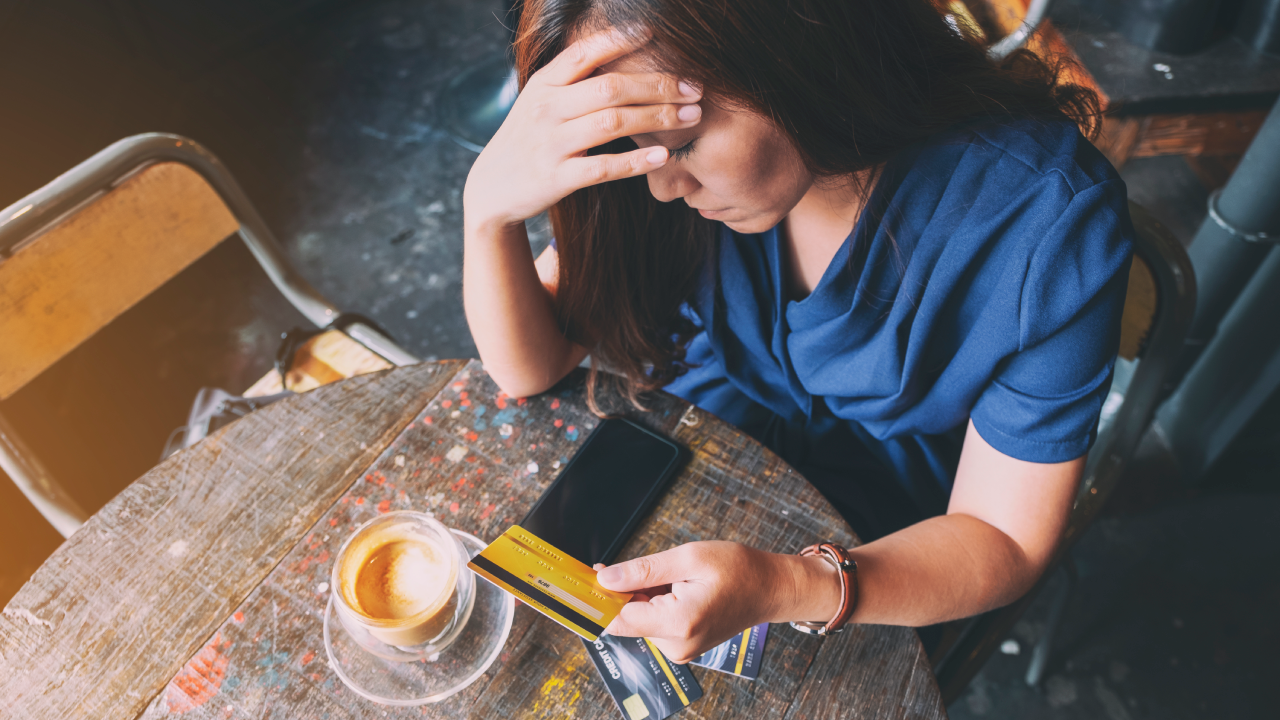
{"x": 1024, "y": 149}
{"x": 1008, "y": 182}
{"x": 1028, "y": 203}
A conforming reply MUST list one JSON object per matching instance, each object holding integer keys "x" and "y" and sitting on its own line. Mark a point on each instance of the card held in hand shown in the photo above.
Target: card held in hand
{"x": 549, "y": 581}
{"x": 642, "y": 682}
{"x": 739, "y": 655}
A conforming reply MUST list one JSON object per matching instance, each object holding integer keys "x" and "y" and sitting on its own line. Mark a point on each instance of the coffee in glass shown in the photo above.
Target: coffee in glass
{"x": 400, "y": 581}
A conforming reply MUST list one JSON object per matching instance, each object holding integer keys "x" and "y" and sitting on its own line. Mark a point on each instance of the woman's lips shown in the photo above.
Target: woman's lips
{"x": 711, "y": 214}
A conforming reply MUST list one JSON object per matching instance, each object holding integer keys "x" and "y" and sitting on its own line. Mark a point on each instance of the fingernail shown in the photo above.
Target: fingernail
{"x": 612, "y": 574}
{"x": 655, "y": 156}
{"x": 687, "y": 90}
{"x": 689, "y": 112}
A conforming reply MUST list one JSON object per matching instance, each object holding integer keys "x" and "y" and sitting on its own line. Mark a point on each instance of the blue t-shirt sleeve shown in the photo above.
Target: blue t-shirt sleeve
{"x": 1043, "y": 404}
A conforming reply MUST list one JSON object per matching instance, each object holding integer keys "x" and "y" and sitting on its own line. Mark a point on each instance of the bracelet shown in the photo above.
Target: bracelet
{"x": 839, "y": 557}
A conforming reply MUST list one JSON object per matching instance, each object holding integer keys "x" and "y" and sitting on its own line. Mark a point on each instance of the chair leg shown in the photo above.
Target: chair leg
{"x": 31, "y": 477}
{"x": 1044, "y": 647}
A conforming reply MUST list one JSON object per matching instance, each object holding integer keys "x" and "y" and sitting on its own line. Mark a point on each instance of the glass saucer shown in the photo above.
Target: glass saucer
{"x": 425, "y": 681}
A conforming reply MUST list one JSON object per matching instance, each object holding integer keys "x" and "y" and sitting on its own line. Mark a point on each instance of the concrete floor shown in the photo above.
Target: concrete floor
{"x": 331, "y": 121}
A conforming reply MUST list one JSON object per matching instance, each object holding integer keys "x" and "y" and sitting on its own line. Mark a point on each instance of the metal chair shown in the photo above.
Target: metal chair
{"x": 82, "y": 250}
{"x": 1157, "y": 313}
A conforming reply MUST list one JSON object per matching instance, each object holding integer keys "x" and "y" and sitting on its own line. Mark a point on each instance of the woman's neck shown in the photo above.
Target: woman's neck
{"x": 815, "y": 229}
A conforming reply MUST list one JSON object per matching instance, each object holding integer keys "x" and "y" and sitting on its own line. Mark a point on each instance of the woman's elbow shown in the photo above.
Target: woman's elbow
{"x": 1012, "y": 568}
{"x": 516, "y": 386}
{"x": 520, "y": 382}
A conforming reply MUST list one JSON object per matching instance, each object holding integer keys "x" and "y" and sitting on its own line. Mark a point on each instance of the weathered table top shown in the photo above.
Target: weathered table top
{"x": 200, "y": 589}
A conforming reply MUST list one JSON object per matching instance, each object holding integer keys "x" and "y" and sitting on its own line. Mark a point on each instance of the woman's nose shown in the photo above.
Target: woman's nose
{"x": 669, "y": 184}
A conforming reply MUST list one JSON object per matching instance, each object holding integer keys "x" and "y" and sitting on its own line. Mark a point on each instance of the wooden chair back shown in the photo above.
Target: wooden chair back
{"x": 82, "y": 250}
{"x": 1139, "y": 309}
{"x": 75, "y": 276}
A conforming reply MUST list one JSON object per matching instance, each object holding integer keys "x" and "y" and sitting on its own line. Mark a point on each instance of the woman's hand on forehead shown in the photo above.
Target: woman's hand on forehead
{"x": 587, "y": 54}
{"x": 582, "y": 99}
{"x": 610, "y": 70}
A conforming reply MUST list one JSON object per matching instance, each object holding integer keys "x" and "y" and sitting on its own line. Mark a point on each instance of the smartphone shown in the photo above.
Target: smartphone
{"x": 605, "y": 490}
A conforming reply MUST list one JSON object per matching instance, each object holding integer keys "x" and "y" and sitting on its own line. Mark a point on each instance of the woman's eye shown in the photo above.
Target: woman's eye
{"x": 683, "y": 151}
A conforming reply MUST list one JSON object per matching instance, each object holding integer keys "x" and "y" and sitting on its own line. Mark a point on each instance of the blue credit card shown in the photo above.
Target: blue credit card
{"x": 739, "y": 655}
{"x": 642, "y": 682}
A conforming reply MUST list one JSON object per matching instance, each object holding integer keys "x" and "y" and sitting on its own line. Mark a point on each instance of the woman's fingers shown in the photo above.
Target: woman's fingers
{"x": 641, "y": 619}
{"x": 537, "y": 158}
{"x": 607, "y": 125}
{"x": 580, "y": 59}
{"x": 717, "y": 589}
{"x": 664, "y": 568}
{"x": 620, "y": 89}
{"x": 581, "y": 172}
{"x": 676, "y": 625}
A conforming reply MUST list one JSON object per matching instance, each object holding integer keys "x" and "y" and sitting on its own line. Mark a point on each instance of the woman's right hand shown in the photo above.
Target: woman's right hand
{"x": 539, "y": 155}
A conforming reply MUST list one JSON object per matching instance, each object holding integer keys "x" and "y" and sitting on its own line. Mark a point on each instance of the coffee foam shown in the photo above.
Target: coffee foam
{"x": 401, "y": 579}
{"x": 398, "y": 575}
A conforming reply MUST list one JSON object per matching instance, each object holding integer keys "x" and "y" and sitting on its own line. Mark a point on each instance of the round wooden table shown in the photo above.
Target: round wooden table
{"x": 200, "y": 589}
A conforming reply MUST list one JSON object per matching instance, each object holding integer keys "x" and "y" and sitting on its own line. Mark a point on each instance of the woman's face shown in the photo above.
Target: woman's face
{"x": 733, "y": 166}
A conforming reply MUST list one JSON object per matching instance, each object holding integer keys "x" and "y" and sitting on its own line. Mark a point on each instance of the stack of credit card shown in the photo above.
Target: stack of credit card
{"x": 642, "y": 682}
{"x": 739, "y": 655}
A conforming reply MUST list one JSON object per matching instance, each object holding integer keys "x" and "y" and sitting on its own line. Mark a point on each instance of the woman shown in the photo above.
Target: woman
{"x": 838, "y": 225}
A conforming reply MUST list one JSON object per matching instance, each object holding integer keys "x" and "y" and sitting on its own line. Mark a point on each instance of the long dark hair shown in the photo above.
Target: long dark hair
{"x": 849, "y": 82}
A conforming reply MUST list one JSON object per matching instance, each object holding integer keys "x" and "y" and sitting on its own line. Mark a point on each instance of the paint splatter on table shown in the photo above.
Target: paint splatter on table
{"x": 210, "y": 603}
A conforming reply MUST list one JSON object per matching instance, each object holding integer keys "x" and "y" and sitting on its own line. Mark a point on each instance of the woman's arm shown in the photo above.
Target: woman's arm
{"x": 1003, "y": 524}
{"x": 1001, "y": 528}
{"x": 508, "y": 304}
{"x": 537, "y": 157}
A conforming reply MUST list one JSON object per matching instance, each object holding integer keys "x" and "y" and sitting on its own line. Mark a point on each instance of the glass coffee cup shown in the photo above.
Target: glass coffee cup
{"x": 401, "y": 587}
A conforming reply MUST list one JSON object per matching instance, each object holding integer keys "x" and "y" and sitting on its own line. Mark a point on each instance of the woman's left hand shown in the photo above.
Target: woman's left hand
{"x": 695, "y": 596}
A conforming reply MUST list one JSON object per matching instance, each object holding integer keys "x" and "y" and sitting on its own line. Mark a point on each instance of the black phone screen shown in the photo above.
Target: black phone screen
{"x": 604, "y": 491}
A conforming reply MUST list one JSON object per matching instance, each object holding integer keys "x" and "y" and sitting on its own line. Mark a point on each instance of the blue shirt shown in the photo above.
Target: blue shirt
{"x": 984, "y": 281}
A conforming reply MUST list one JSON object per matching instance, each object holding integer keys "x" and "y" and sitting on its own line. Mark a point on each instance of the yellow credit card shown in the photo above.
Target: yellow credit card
{"x": 549, "y": 581}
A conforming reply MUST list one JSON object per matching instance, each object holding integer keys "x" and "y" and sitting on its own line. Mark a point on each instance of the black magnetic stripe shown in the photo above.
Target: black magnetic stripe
{"x": 537, "y": 593}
